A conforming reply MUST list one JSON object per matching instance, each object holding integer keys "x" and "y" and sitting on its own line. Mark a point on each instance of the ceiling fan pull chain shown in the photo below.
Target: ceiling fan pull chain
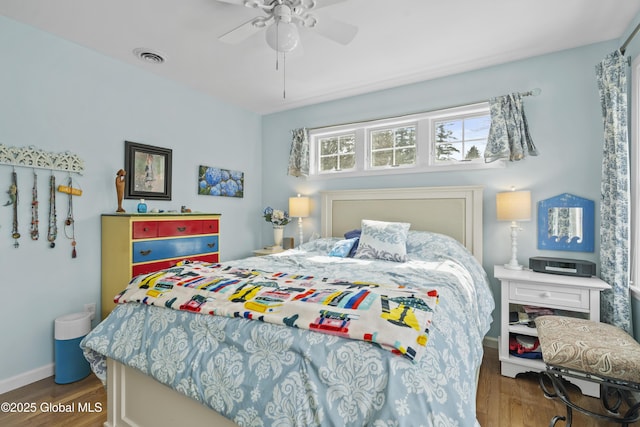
{"x": 284, "y": 75}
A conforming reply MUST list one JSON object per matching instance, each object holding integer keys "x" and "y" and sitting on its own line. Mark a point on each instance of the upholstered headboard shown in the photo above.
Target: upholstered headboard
{"x": 454, "y": 211}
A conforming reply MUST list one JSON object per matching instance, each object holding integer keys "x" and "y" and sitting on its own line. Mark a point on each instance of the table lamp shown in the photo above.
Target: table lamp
{"x": 514, "y": 206}
{"x": 299, "y": 207}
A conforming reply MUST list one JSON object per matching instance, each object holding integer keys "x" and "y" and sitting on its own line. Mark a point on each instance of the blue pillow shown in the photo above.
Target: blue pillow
{"x": 350, "y": 235}
{"x": 341, "y": 248}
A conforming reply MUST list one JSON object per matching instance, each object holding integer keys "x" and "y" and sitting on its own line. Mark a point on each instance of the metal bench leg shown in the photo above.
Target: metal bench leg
{"x": 612, "y": 397}
{"x": 560, "y": 392}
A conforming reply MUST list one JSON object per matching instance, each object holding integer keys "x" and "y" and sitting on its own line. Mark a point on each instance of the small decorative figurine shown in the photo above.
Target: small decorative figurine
{"x": 120, "y": 188}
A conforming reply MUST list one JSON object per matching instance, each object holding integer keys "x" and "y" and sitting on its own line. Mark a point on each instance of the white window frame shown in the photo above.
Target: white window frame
{"x": 425, "y": 144}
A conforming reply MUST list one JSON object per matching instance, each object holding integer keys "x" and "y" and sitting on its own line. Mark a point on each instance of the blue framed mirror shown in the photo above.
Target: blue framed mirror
{"x": 566, "y": 223}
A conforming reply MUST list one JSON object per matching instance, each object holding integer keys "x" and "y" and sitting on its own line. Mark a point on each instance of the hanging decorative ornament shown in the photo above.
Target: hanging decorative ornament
{"x": 13, "y": 200}
{"x": 35, "y": 233}
{"x": 52, "y": 233}
{"x": 69, "y": 223}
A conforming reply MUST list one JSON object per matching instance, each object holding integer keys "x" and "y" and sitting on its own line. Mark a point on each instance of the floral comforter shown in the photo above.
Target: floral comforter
{"x": 263, "y": 374}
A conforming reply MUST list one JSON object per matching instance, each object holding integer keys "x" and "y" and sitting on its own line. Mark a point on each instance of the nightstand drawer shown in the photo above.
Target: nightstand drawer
{"x": 549, "y": 295}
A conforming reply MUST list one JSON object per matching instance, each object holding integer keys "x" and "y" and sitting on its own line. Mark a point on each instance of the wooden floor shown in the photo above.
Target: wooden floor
{"x": 501, "y": 402}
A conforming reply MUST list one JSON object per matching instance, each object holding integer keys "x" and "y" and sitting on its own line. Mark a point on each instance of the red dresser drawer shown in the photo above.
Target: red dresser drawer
{"x": 161, "y": 265}
{"x": 179, "y": 228}
{"x": 209, "y": 226}
{"x": 145, "y": 229}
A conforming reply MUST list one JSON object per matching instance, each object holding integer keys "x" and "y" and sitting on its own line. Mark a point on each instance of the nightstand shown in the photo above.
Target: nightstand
{"x": 267, "y": 251}
{"x": 574, "y": 296}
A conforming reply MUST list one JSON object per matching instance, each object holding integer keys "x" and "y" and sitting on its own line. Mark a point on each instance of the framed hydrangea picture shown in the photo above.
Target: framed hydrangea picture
{"x": 214, "y": 181}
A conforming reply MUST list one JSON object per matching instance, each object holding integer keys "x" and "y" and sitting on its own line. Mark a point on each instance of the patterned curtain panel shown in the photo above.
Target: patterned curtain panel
{"x": 614, "y": 206}
{"x": 509, "y": 136}
{"x": 299, "y": 154}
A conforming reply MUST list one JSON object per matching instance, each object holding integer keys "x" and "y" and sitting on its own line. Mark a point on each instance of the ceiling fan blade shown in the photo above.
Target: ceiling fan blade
{"x": 338, "y": 31}
{"x": 240, "y": 33}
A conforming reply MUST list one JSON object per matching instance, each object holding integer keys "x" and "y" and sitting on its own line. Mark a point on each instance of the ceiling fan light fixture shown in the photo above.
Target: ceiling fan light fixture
{"x": 282, "y": 36}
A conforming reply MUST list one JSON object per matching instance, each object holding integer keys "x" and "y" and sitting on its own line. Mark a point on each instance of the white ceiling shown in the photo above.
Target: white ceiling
{"x": 398, "y": 42}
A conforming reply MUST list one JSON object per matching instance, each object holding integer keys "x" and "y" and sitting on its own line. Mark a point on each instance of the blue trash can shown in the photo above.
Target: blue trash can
{"x": 70, "y": 364}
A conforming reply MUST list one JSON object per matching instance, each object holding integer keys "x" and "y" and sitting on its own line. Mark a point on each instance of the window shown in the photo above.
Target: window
{"x": 449, "y": 139}
{"x": 393, "y": 146}
{"x": 337, "y": 153}
{"x": 461, "y": 139}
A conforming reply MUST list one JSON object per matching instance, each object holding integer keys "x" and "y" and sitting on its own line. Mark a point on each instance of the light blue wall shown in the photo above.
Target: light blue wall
{"x": 58, "y": 96}
{"x": 565, "y": 122}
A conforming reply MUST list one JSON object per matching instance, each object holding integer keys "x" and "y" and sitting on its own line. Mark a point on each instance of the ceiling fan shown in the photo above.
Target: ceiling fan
{"x": 282, "y": 19}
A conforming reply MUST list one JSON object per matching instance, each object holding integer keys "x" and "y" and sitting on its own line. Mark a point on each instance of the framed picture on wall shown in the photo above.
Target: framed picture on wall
{"x": 148, "y": 171}
{"x": 214, "y": 181}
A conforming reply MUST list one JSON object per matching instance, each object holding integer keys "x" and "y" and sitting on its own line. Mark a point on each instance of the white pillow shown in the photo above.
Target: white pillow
{"x": 383, "y": 240}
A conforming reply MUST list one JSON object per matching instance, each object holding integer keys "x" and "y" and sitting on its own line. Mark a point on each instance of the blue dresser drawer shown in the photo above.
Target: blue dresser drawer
{"x": 153, "y": 250}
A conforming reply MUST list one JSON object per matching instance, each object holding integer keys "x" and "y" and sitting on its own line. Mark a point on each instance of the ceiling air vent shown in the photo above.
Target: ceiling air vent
{"x": 148, "y": 55}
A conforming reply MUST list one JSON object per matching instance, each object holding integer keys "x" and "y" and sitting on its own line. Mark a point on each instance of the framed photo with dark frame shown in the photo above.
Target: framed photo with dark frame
{"x": 148, "y": 171}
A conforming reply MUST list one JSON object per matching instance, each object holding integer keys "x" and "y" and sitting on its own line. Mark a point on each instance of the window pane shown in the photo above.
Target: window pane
{"x": 406, "y": 156}
{"x": 477, "y": 127}
{"x": 448, "y": 131}
{"x": 328, "y": 146}
{"x": 347, "y": 144}
{"x": 328, "y": 163}
{"x": 347, "y": 161}
{"x": 406, "y": 136}
{"x": 381, "y": 139}
{"x": 382, "y": 158}
{"x": 448, "y": 152}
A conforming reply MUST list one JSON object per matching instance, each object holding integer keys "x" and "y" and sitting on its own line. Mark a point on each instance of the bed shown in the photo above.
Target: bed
{"x": 165, "y": 367}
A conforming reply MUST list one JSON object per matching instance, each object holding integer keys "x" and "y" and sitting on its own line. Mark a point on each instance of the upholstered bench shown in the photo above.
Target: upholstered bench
{"x": 591, "y": 351}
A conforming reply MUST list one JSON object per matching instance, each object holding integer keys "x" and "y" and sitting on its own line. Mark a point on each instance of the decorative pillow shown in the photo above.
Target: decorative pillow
{"x": 341, "y": 248}
{"x": 350, "y": 235}
{"x": 383, "y": 240}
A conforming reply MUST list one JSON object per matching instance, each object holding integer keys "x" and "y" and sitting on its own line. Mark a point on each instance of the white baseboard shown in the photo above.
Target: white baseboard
{"x": 26, "y": 378}
{"x": 491, "y": 342}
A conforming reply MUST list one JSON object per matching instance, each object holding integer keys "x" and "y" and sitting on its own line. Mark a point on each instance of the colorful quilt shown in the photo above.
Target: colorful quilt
{"x": 395, "y": 317}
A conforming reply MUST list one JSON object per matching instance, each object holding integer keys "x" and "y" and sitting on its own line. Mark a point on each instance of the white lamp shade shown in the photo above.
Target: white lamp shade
{"x": 299, "y": 207}
{"x": 282, "y": 36}
{"x": 513, "y": 206}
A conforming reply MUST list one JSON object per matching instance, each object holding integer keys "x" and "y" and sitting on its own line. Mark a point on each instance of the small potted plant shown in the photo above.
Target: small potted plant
{"x": 278, "y": 218}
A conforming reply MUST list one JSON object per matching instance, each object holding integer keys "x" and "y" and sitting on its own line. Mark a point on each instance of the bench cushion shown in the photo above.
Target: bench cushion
{"x": 587, "y": 346}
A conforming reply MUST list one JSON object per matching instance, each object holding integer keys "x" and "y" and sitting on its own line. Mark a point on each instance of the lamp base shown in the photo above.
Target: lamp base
{"x": 513, "y": 267}
{"x": 513, "y": 262}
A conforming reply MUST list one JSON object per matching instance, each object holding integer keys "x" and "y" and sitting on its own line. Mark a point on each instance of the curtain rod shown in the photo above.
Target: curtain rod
{"x": 532, "y": 92}
{"x": 623, "y": 48}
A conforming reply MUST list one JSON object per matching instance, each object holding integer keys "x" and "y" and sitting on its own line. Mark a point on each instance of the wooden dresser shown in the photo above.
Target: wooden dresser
{"x": 134, "y": 244}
